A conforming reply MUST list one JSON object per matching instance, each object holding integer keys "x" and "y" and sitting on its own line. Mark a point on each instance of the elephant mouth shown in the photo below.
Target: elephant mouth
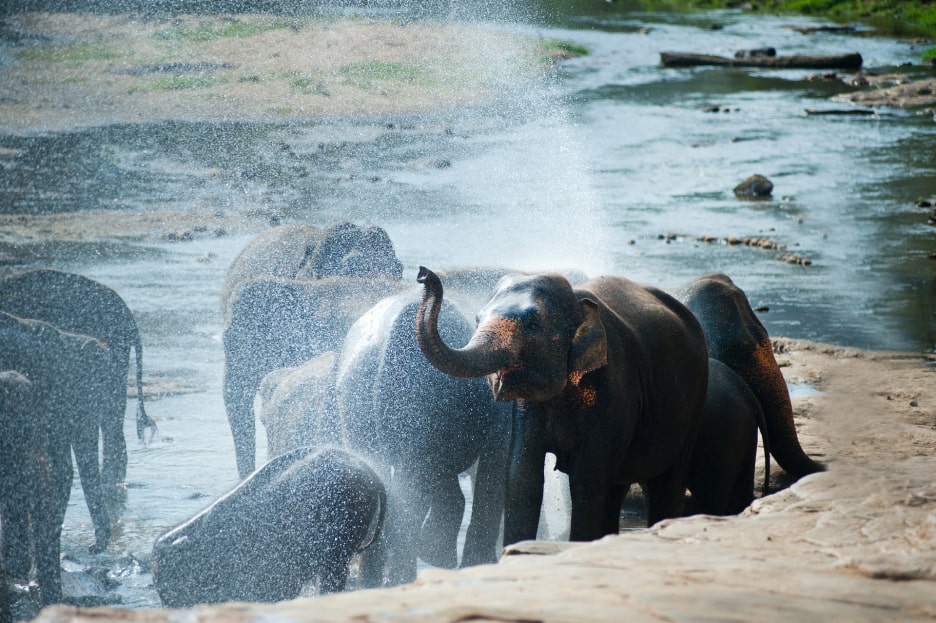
{"x": 500, "y": 381}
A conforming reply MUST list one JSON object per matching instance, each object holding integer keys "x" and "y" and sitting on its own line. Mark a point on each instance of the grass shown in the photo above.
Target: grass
{"x": 891, "y": 17}
{"x": 897, "y": 18}
{"x": 366, "y": 74}
{"x": 208, "y": 31}
{"x": 72, "y": 54}
{"x": 558, "y": 49}
{"x": 183, "y": 83}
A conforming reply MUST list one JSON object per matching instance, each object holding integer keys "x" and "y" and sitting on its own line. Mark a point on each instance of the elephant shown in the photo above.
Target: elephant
{"x": 69, "y": 375}
{"x": 721, "y": 474}
{"x": 291, "y": 294}
{"x": 297, "y": 251}
{"x": 28, "y": 493}
{"x": 300, "y": 516}
{"x": 609, "y": 375}
{"x": 279, "y": 323}
{"x": 77, "y": 304}
{"x": 737, "y": 338}
{"x": 426, "y": 428}
{"x": 297, "y": 405}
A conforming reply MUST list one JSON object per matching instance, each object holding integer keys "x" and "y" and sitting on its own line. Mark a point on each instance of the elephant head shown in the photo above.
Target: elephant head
{"x": 349, "y": 250}
{"x": 534, "y": 336}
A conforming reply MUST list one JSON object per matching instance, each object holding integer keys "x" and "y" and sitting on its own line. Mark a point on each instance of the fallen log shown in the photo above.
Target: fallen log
{"x": 841, "y": 111}
{"x": 795, "y": 61}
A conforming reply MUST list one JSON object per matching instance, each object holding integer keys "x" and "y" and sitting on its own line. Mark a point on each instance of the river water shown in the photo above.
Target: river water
{"x": 613, "y": 166}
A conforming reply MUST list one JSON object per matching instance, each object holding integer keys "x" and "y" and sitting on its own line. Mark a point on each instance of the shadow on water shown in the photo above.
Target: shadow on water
{"x": 613, "y": 166}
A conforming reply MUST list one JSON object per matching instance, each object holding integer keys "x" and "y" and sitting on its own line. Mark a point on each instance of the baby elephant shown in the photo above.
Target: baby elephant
{"x": 301, "y": 516}
{"x": 721, "y": 477}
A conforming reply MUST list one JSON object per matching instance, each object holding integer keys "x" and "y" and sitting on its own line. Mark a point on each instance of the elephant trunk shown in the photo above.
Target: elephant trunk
{"x": 478, "y": 358}
{"x": 768, "y": 384}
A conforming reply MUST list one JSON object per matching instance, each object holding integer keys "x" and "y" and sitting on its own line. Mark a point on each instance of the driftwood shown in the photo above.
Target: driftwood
{"x": 808, "y": 30}
{"x": 840, "y": 111}
{"x": 837, "y": 61}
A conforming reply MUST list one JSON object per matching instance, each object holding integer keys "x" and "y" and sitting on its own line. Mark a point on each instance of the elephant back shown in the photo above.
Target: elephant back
{"x": 74, "y": 303}
{"x": 392, "y": 401}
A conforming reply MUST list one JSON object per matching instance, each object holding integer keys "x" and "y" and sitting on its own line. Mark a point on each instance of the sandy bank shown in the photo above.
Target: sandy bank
{"x": 67, "y": 70}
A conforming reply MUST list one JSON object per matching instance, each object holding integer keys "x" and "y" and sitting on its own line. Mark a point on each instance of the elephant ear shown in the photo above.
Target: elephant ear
{"x": 590, "y": 344}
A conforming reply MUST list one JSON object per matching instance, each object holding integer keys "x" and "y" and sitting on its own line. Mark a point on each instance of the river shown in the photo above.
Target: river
{"x": 614, "y": 165}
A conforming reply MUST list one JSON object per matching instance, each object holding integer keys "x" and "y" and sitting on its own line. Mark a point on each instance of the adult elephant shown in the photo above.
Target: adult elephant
{"x": 425, "y": 428}
{"x": 721, "y": 475}
{"x": 77, "y": 304}
{"x": 610, "y": 376}
{"x": 291, "y": 294}
{"x": 69, "y": 376}
{"x": 298, "y": 251}
{"x": 737, "y": 338}
{"x": 301, "y": 516}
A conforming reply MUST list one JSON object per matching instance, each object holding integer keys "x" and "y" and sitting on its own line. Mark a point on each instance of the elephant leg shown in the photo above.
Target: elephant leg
{"x": 238, "y": 399}
{"x": 374, "y": 562}
{"x": 666, "y": 494}
{"x": 523, "y": 497}
{"x": 438, "y": 537}
{"x": 596, "y": 504}
{"x": 406, "y": 510}
{"x": 14, "y": 536}
{"x": 742, "y": 494}
{"x": 113, "y": 441}
{"x": 85, "y": 444}
{"x": 333, "y": 570}
{"x": 487, "y": 506}
{"x": 48, "y": 517}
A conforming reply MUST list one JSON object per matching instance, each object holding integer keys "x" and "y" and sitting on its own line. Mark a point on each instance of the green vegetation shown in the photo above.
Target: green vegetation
{"x": 894, "y": 17}
{"x": 558, "y": 49}
{"x": 74, "y": 54}
{"x": 183, "y": 83}
{"x": 898, "y": 18}
{"x": 210, "y": 31}
{"x": 365, "y": 74}
{"x": 307, "y": 84}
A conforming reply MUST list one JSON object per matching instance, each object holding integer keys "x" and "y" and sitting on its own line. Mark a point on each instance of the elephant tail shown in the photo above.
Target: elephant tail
{"x": 769, "y": 386}
{"x": 765, "y": 438}
{"x": 143, "y": 421}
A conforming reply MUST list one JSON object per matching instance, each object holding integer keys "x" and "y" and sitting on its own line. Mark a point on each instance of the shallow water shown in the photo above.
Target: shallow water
{"x": 611, "y": 166}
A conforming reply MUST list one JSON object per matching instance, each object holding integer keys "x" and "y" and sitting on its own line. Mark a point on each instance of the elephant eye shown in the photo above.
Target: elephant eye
{"x": 533, "y": 323}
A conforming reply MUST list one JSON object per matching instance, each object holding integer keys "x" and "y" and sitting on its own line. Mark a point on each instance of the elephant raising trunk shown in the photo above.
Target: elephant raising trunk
{"x": 471, "y": 361}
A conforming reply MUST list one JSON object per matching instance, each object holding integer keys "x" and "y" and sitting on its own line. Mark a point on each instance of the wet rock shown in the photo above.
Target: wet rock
{"x": 754, "y": 187}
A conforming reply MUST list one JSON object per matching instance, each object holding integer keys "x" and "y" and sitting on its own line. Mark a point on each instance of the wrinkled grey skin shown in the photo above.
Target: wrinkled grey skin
{"x": 69, "y": 375}
{"x": 738, "y": 339}
{"x": 77, "y": 304}
{"x": 402, "y": 413}
{"x": 609, "y": 376}
{"x": 721, "y": 476}
{"x": 290, "y": 295}
{"x": 299, "y": 517}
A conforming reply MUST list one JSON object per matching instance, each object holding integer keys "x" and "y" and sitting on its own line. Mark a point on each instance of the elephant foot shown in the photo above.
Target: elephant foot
{"x": 101, "y": 539}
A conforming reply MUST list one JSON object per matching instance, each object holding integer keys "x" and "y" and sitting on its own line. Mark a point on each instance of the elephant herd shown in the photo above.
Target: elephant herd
{"x": 378, "y": 396}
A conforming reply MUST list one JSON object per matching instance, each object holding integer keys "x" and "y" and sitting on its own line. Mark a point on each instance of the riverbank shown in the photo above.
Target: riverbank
{"x": 70, "y": 70}
{"x": 856, "y": 543}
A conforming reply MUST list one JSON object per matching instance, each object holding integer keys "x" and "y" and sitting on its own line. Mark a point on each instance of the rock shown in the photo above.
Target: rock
{"x": 755, "y": 186}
